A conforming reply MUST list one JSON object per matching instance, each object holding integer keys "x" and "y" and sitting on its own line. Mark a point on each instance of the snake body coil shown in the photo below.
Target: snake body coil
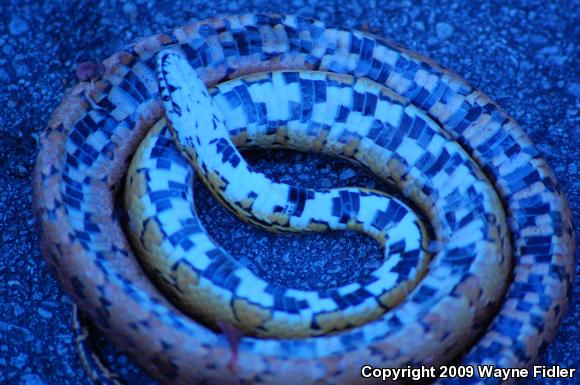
{"x": 87, "y": 146}
{"x": 200, "y": 273}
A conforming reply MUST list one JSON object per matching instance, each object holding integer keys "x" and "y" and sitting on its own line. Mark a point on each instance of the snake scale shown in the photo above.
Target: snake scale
{"x": 443, "y": 127}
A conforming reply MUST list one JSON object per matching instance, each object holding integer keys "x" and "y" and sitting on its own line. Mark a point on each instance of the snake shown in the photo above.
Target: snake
{"x": 501, "y": 258}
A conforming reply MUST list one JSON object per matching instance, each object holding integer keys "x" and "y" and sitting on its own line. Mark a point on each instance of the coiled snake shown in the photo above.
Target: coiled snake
{"x": 502, "y": 254}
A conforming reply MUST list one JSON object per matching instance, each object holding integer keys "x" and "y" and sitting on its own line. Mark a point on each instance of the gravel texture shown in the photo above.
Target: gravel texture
{"x": 525, "y": 56}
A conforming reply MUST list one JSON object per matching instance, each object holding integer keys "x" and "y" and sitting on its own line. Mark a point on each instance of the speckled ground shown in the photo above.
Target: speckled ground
{"x": 525, "y": 56}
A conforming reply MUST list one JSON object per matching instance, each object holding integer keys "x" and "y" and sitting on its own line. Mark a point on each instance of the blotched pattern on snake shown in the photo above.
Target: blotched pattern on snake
{"x": 453, "y": 152}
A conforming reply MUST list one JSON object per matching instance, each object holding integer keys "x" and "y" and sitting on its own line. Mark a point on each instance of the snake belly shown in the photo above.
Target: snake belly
{"x": 206, "y": 280}
{"x": 86, "y": 148}
{"x": 204, "y": 277}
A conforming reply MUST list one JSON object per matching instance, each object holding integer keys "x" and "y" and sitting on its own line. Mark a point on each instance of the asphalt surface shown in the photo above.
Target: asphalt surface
{"x": 524, "y": 55}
